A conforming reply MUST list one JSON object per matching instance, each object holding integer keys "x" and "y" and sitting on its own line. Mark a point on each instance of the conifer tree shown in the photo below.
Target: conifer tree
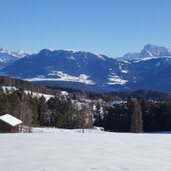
{"x": 43, "y": 116}
{"x": 4, "y": 103}
{"x": 97, "y": 115}
{"x": 136, "y": 118}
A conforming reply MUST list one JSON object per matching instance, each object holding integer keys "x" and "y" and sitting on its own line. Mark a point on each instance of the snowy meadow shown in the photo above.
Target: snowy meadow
{"x": 74, "y": 151}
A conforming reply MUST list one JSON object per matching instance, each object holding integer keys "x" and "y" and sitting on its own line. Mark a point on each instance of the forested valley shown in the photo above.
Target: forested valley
{"x": 81, "y": 109}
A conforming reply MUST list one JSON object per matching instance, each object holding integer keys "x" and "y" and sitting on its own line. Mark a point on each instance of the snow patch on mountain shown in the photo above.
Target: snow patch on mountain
{"x": 123, "y": 70}
{"x": 72, "y": 50}
{"x": 114, "y": 79}
{"x": 72, "y": 58}
{"x": 3, "y": 60}
{"x": 61, "y": 76}
{"x": 101, "y": 57}
{"x": 144, "y": 59}
{"x": 127, "y": 62}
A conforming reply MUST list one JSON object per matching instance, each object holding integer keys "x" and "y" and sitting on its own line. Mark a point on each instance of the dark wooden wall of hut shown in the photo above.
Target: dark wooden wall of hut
{"x": 6, "y": 128}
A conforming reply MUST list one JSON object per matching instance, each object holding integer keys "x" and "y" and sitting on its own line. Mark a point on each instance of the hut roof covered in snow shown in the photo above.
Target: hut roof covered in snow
{"x": 11, "y": 120}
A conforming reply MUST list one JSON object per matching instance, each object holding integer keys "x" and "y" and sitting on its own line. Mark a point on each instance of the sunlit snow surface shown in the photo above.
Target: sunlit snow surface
{"x": 85, "y": 152}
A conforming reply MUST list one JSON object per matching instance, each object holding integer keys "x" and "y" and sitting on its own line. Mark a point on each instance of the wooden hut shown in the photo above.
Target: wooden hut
{"x": 9, "y": 124}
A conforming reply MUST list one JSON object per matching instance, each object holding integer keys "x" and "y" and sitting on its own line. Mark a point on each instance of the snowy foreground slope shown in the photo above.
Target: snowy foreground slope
{"x": 85, "y": 152}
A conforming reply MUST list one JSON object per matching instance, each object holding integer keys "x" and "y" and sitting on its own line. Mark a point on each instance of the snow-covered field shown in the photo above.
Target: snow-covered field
{"x": 57, "y": 130}
{"x": 85, "y": 152}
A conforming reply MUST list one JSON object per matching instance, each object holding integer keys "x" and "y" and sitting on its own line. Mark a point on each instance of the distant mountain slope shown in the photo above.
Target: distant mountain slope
{"x": 153, "y": 73}
{"x": 85, "y": 70}
{"x": 70, "y": 67}
{"x": 130, "y": 56}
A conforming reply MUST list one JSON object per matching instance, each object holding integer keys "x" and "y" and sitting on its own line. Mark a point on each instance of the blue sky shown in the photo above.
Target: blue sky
{"x": 110, "y": 27}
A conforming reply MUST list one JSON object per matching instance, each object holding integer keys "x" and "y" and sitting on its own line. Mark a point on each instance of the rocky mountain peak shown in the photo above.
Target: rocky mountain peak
{"x": 153, "y": 50}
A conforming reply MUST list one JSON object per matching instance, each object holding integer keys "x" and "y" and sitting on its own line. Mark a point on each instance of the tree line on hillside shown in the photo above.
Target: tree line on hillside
{"x": 74, "y": 93}
{"x": 144, "y": 94}
{"x": 20, "y": 84}
{"x": 58, "y": 111}
{"x": 135, "y": 116}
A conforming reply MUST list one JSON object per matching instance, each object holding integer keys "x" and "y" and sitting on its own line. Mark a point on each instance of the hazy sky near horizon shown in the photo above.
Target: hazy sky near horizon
{"x": 110, "y": 27}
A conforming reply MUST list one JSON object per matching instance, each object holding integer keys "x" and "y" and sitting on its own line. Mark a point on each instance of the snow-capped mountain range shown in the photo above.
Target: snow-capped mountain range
{"x": 18, "y": 54}
{"x": 8, "y": 57}
{"x": 149, "y": 69}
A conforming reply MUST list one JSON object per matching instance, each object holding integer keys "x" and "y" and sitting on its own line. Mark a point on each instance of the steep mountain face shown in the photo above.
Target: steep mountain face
{"x": 153, "y": 50}
{"x": 149, "y": 50}
{"x": 8, "y": 57}
{"x": 85, "y": 70}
